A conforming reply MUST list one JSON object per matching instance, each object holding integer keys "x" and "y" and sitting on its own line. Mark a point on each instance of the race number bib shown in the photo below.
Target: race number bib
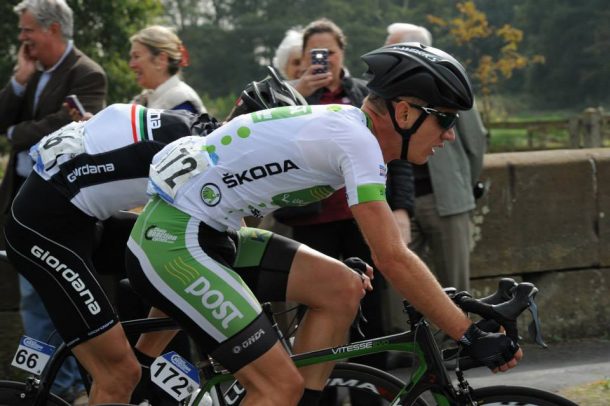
{"x": 179, "y": 164}
{"x": 67, "y": 141}
{"x": 174, "y": 375}
{"x": 32, "y": 355}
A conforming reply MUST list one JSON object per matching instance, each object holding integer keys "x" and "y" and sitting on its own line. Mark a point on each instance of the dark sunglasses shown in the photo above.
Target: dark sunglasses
{"x": 445, "y": 120}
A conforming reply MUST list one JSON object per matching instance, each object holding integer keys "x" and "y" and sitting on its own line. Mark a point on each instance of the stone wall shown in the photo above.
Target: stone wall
{"x": 545, "y": 219}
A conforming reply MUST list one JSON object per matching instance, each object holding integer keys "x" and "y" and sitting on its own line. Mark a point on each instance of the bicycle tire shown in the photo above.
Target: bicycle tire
{"x": 387, "y": 387}
{"x": 366, "y": 379}
{"x": 14, "y": 394}
{"x": 518, "y": 395}
{"x": 355, "y": 377}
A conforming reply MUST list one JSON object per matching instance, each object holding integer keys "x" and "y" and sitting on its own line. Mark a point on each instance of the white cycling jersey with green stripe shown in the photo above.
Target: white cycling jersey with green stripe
{"x": 287, "y": 156}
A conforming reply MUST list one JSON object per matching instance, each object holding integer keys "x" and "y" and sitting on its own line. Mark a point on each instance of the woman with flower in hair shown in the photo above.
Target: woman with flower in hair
{"x": 157, "y": 56}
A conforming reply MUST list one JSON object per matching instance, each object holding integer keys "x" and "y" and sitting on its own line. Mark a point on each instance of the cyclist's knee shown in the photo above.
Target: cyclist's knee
{"x": 347, "y": 290}
{"x": 276, "y": 390}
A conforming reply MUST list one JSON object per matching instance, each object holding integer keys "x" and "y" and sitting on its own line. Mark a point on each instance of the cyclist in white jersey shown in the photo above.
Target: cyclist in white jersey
{"x": 84, "y": 173}
{"x": 190, "y": 256}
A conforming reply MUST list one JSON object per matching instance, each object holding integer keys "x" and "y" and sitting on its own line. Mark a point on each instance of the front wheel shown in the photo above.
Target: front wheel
{"x": 516, "y": 395}
{"x": 372, "y": 386}
{"x": 369, "y": 385}
{"x": 16, "y": 394}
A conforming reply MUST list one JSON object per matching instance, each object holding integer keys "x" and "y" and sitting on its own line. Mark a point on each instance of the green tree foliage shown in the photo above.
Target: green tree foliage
{"x": 574, "y": 37}
{"x": 101, "y": 29}
{"x": 470, "y": 31}
{"x": 230, "y": 41}
{"x": 8, "y": 39}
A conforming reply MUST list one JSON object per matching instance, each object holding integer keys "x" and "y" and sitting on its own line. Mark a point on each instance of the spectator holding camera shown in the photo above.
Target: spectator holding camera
{"x": 333, "y": 84}
{"x": 328, "y": 226}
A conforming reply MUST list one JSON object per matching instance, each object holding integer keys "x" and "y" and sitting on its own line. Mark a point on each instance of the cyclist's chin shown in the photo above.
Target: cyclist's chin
{"x": 417, "y": 158}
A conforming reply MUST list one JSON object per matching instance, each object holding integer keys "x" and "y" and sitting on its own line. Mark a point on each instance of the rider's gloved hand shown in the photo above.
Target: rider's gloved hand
{"x": 490, "y": 349}
{"x": 356, "y": 264}
{"x": 363, "y": 269}
{"x": 489, "y": 326}
{"x": 205, "y": 124}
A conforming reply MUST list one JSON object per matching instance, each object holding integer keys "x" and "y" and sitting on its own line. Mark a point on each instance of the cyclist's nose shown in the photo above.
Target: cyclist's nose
{"x": 448, "y": 135}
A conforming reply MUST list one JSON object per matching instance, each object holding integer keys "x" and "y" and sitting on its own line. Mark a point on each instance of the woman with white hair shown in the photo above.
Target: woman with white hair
{"x": 405, "y": 32}
{"x": 287, "y": 57}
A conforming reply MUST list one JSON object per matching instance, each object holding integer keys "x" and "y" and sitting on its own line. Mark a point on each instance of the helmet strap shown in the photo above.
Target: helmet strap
{"x": 405, "y": 133}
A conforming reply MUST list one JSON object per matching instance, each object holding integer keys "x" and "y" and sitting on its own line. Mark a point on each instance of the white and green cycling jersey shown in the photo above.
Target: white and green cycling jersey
{"x": 259, "y": 162}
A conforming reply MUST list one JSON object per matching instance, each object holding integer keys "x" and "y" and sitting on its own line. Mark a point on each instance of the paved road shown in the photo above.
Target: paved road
{"x": 560, "y": 366}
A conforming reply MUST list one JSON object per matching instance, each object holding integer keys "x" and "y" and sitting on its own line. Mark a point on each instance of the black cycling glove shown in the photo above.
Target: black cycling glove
{"x": 356, "y": 264}
{"x": 490, "y": 349}
{"x": 204, "y": 125}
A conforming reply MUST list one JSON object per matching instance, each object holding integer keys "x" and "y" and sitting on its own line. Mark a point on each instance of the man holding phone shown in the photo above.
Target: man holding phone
{"x": 48, "y": 69}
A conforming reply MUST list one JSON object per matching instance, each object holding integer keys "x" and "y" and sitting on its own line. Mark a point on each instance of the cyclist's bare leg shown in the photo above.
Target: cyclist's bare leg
{"x": 271, "y": 379}
{"x": 112, "y": 365}
{"x": 332, "y": 294}
{"x": 153, "y": 344}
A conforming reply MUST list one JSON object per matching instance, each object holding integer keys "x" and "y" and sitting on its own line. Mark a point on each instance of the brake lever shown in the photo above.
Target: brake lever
{"x": 534, "y": 327}
{"x": 360, "y": 317}
{"x": 521, "y": 300}
{"x": 506, "y": 288}
{"x": 505, "y": 291}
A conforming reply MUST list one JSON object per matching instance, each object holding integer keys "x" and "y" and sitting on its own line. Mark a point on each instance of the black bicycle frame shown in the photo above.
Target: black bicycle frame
{"x": 430, "y": 374}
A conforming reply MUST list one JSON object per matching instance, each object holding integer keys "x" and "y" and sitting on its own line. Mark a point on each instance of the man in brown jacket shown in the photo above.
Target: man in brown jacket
{"x": 48, "y": 69}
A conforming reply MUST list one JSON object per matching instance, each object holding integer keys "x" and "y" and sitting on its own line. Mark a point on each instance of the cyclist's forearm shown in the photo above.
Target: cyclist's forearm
{"x": 412, "y": 279}
{"x": 405, "y": 271}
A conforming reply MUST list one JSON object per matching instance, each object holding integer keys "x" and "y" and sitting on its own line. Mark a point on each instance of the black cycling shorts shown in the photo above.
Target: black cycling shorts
{"x": 183, "y": 279}
{"x": 50, "y": 242}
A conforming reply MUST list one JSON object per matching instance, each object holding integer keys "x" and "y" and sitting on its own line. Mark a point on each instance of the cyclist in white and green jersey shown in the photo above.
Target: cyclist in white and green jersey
{"x": 191, "y": 257}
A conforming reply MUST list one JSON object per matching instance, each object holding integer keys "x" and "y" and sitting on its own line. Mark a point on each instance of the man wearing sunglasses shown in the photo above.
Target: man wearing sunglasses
{"x": 202, "y": 187}
{"x": 444, "y": 200}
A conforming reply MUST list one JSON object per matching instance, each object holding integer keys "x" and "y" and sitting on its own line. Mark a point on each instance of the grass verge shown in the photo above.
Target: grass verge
{"x": 590, "y": 394}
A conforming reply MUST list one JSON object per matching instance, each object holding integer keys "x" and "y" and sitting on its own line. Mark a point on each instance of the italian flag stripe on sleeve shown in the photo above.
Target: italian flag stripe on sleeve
{"x": 371, "y": 192}
{"x": 138, "y": 123}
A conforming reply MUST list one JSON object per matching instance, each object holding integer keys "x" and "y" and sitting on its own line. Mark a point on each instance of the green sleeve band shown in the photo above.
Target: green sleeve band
{"x": 371, "y": 192}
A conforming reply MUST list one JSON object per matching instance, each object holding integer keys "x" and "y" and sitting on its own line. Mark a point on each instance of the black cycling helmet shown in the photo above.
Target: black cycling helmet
{"x": 413, "y": 69}
{"x": 265, "y": 94}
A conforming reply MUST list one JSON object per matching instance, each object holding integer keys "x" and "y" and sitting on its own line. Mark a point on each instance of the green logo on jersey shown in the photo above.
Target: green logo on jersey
{"x": 210, "y": 194}
{"x": 302, "y": 197}
{"x": 280, "y": 112}
{"x": 334, "y": 107}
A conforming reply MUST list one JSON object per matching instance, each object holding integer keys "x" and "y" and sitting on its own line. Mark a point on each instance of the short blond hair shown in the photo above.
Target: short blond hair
{"x": 379, "y": 106}
{"x": 157, "y": 39}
